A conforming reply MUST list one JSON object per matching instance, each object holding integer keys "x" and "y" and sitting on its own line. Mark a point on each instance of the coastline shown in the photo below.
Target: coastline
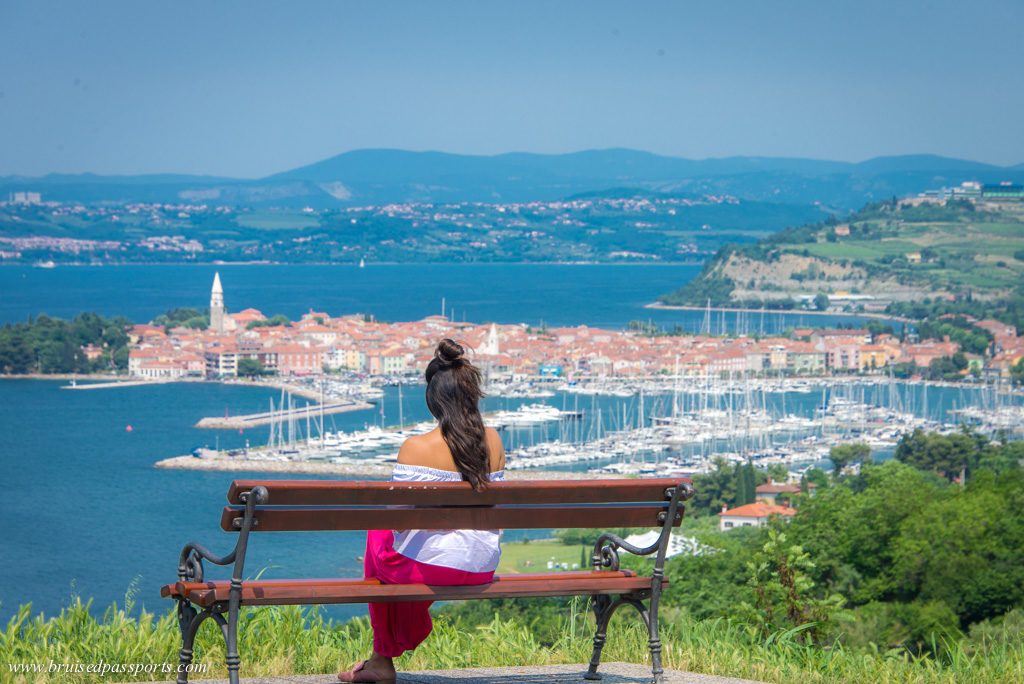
{"x": 801, "y": 312}
{"x": 355, "y": 264}
{"x": 97, "y": 380}
{"x": 369, "y": 470}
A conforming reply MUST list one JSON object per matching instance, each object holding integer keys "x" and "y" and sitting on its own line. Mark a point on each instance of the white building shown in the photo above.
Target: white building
{"x": 751, "y": 515}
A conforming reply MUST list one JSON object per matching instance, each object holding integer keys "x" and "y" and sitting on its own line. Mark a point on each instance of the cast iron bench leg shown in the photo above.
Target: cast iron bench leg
{"x": 604, "y": 608}
{"x": 233, "y": 659}
{"x": 186, "y": 620}
{"x": 189, "y": 622}
{"x": 652, "y": 627}
{"x": 602, "y": 615}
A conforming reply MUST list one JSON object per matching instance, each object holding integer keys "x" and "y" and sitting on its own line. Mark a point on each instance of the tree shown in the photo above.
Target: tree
{"x": 715, "y": 489}
{"x": 821, "y": 301}
{"x": 816, "y": 476}
{"x": 277, "y": 319}
{"x": 1017, "y": 372}
{"x": 250, "y": 368}
{"x": 967, "y": 548}
{"x": 844, "y": 454}
{"x": 850, "y": 535}
{"x": 185, "y": 318}
{"x": 778, "y": 472}
{"x": 750, "y": 482}
{"x": 15, "y": 353}
{"x": 947, "y": 455}
{"x": 741, "y": 486}
{"x": 785, "y": 592}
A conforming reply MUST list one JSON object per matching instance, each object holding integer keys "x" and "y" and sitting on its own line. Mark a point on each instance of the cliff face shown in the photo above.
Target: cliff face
{"x": 791, "y": 275}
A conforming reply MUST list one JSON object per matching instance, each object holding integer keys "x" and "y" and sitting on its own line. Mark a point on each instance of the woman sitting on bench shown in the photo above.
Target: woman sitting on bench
{"x": 459, "y": 448}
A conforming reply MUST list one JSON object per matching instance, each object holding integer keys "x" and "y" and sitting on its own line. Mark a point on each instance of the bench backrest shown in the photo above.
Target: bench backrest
{"x": 292, "y": 505}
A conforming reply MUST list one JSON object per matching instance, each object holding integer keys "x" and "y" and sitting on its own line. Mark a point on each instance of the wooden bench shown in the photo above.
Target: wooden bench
{"x": 295, "y": 505}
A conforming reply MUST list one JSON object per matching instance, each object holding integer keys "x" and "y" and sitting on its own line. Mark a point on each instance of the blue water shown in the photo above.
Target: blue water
{"x": 83, "y": 510}
{"x": 554, "y": 294}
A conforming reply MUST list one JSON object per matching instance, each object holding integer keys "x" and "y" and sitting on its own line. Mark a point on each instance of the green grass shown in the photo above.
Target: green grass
{"x": 1012, "y": 230}
{"x": 992, "y": 242}
{"x": 980, "y": 278}
{"x": 515, "y": 557}
{"x": 841, "y": 250}
{"x": 277, "y": 220}
{"x": 288, "y": 640}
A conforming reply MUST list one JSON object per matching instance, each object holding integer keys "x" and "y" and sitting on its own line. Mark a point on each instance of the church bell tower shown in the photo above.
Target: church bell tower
{"x": 217, "y": 305}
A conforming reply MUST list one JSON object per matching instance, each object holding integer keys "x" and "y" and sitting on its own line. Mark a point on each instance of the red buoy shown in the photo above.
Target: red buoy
{"x": 128, "y": 428}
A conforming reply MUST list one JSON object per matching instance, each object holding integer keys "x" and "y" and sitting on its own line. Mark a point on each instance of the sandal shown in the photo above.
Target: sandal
{"x": 359, "y": 673}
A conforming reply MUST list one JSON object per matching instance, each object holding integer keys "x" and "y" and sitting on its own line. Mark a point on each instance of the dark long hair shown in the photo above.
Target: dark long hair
{"x": 453, "y": 396}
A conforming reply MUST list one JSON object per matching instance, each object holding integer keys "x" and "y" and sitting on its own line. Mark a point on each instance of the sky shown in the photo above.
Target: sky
{"x": 246, "y": 89}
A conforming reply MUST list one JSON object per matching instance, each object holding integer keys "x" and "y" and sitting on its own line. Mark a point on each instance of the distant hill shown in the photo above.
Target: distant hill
{"x": 885, "y": 252}
{"x": 382, "y": 176}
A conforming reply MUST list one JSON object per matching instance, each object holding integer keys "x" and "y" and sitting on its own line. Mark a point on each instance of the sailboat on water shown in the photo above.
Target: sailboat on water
{"x": 362, "y": 262}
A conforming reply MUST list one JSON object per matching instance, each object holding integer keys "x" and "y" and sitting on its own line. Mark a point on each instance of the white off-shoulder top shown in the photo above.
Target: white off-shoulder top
{"x": 467, "y": 550}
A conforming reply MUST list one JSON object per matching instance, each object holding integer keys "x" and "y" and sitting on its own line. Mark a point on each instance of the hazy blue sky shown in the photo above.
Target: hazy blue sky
{"x": 250, "y": 88}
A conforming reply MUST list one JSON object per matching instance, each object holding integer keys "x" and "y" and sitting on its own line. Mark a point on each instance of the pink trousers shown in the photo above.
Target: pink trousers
{"x": 400, "y": 627}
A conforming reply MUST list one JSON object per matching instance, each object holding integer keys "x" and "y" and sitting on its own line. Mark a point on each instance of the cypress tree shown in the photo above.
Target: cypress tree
{"x": 751, "y": 482}
{"x": 741, "y": 486}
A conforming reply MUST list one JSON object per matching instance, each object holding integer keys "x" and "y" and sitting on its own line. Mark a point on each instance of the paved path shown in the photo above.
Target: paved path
{"x": 612, "y": 673}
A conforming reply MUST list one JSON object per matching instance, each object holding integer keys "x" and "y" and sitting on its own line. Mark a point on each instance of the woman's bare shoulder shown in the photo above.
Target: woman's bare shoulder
{"x": 496, "y": 449}
{"x": 415, "y": 451}
{"x": 492, "y": 436}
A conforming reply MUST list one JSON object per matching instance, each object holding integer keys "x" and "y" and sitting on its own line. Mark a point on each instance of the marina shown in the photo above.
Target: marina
{"x": 654, "y": 426}
{"x": 591, "y": 413}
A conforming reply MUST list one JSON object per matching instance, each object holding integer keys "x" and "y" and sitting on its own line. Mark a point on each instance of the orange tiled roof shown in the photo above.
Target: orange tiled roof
{"x": 758, "y": 510}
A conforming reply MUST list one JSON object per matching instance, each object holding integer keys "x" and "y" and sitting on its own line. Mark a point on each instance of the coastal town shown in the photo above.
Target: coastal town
{"x": 248, "y": 343}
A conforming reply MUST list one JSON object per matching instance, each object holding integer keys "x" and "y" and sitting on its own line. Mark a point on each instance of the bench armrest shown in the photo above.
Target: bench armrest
{"x": 190, "y": 561}
{"x": 606, "y": 549}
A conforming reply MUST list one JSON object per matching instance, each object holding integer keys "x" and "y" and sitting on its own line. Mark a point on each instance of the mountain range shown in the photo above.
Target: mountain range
{"x": 383, "y": 176}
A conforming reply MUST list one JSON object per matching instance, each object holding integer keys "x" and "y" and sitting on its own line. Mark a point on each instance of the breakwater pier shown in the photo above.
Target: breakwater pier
{"x": 299, "y": 413}
{"x": 108, "y": 384}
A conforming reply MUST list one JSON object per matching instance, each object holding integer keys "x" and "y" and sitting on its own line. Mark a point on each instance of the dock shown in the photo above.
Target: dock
{"x": 300, "y": 413}
{"x": 108, "y": 384}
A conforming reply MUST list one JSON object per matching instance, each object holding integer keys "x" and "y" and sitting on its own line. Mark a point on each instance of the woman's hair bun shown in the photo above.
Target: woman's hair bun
{"x": 448, "y": 351}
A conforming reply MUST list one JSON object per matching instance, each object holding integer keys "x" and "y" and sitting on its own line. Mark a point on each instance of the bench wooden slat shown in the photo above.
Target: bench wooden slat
{"x": 338, "y": 591}
{"x": 283, "y": 519}
{"x": 182, "y": 587}
{"x": 348, "y": 493}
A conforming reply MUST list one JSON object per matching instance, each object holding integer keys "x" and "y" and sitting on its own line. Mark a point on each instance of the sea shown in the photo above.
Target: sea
{"x": 552, "y": 295}
{"x": 83, "y": 512}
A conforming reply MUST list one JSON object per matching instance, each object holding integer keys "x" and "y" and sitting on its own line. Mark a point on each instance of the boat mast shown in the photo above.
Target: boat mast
{"x": 270, "y": 444}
